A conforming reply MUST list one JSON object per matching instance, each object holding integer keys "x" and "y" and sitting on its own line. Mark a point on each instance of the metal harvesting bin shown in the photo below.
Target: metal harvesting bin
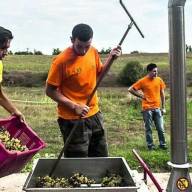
{"x": 94, "y": 168}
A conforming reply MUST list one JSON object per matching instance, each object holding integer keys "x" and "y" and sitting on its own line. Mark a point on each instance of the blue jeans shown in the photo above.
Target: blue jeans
{"x": 150, "y": 116}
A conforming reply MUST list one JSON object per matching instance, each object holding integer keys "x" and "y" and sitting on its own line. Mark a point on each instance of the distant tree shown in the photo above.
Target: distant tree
{"x": 37, "y": 52}
{"x": 27, "y": 52}
{"x": 187, "y": 48}
{"x": 105, "y": 51}
{"x": 56, "y": 51}
{"x": 190, "y": 49}
{"x": 134, "y": 52}
{"x": 102, "y": 51}
{"x": 10, "y": 52}
{"x": 130, "y": 73}
{"x": 23, "y": 53}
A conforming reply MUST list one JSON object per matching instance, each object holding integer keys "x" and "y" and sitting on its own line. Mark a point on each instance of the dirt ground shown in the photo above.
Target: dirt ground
{"x": 15, "y": 182}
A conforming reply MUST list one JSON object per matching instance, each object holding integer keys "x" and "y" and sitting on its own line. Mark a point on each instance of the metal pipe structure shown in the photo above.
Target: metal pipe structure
{"x": 179, "y": 179}
{"x": 147, "y": 171}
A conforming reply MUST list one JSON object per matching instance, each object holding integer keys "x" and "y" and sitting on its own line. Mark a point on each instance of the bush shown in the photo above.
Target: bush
{"x": 105, "y": 51}
{"x": 24, "y": 78}
{"x": 56, "y": 51}
{"x": 135, "y": 52}
{"x": 132, "y": 71}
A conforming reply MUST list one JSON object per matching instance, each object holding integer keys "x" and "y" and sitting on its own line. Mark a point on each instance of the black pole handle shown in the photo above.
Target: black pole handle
{"x": 121, "y": 2}
{"x": 108, "y": 64}
{"x": 63, "y": 149}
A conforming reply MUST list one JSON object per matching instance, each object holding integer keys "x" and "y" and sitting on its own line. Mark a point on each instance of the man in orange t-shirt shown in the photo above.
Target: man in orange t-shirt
{"x": 153, "y": 104}
{"x": 71, "y": 80}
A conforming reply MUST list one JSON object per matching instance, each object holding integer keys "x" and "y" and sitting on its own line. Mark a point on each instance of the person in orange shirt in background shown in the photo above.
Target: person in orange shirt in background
{"x": 151, "y": 90}
{"x": 5, "y": 40}
{"x": 71, "y": 79}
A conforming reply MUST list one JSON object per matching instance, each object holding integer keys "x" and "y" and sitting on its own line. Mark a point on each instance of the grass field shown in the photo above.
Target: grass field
{"x": 123, "y": 120}
{"x": 123, "y": 123}
{"x": 41, "y": 63}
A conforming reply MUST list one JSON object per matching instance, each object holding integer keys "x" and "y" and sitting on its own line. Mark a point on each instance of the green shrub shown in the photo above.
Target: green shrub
{"x": 132, "y": 71}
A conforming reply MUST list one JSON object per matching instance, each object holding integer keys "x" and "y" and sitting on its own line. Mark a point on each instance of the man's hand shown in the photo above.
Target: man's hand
{"x": 116, "y": 51}
{"x": 81, "y": 110}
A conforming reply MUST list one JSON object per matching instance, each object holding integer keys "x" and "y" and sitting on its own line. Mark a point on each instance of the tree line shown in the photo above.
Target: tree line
{"x": 56, "y": 51}
{"x": 188, "y": 48}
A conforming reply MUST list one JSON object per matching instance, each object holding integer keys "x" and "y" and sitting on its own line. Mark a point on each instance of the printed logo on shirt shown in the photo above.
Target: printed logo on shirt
{"x": 73, "y": 72}
{"x": 92, "y": 66}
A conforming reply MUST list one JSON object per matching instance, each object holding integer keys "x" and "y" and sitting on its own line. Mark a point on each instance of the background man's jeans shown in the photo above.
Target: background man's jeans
{"x": 150, "y": 116}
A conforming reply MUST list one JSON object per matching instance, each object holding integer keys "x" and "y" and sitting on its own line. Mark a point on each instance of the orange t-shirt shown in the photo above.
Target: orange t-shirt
{"x": 151, "y": 89}
{"x": 76, "y": 76}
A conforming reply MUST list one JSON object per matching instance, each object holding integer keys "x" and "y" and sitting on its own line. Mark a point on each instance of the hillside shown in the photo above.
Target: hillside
{"x": 31, "y": 70}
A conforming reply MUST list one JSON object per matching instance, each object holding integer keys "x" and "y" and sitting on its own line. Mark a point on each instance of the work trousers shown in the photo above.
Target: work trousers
{"x": 88, "y": 140}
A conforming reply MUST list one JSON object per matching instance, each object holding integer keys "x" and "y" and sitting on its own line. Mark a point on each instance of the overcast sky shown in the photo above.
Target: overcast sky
{"x": 47, "y": 24}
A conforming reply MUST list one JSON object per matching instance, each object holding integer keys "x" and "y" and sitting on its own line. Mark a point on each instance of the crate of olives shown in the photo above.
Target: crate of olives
{"x": 81, "y": 174}
{"x": 18, "y": 144}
